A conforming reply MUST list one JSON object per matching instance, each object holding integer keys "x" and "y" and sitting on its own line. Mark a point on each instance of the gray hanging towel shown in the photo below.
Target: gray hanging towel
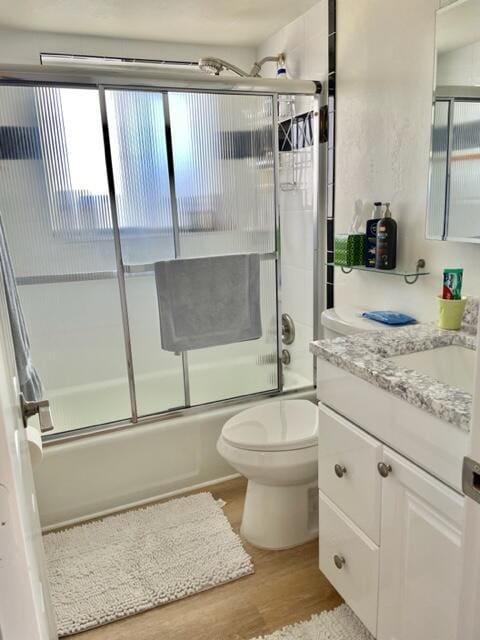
{"x": 29, "y": 380}
{"x": 204, "y": 302}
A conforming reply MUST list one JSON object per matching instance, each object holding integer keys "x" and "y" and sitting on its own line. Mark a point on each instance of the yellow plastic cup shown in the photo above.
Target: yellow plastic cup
{"x": 450, "y": 313}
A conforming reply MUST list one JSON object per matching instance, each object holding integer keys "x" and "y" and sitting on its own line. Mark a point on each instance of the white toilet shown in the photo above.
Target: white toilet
{"x": 274, "y": 445}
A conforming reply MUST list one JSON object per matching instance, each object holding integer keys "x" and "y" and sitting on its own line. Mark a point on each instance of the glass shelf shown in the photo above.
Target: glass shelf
{"x": 410, "y": 276}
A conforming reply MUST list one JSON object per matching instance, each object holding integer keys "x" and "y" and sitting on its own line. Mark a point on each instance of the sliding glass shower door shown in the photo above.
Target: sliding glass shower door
{"x": 96, "y": 185}
{"x": 194, "y": 176}
{"x": 136, "y": 126}
{"x": 55, "y": 209}
{"x": 223, "y": 152}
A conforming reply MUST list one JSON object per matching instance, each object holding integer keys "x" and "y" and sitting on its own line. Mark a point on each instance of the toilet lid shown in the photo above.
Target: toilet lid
{"x": 277, "y": 426}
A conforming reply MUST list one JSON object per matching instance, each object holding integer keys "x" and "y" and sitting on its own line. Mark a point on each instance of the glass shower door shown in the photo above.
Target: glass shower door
{"x": 194, "y": 176}
{"x": 55, "y": 208}
{"x": 96, "y": 185}
{"x": 223, "y": 153}
{"x": 136, "y": 124}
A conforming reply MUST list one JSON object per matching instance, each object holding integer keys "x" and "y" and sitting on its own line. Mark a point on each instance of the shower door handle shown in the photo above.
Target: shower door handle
{"x": 41, "y": 408}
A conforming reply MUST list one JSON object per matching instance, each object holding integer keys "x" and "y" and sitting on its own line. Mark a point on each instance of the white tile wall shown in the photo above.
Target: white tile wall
{"x": 305, "y": 43}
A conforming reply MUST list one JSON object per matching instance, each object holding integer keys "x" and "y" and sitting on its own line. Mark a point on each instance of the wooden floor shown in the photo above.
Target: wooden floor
{"x": 285, "y": 588}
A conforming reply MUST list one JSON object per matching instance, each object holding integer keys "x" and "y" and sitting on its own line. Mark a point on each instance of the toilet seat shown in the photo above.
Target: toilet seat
{"x": 284, "y": 425}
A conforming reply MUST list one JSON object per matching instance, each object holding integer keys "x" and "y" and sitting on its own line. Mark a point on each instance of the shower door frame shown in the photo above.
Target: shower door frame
{"x": 164, "y": 83}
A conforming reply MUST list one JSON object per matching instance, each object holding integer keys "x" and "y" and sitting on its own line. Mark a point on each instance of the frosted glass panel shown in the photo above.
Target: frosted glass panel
{"x": 158, "y": 373}
{"x": 137, "y": 134}
{"x": 224, "y": 173}
{"x": 54, "y": 204}
{"x": 438, "y": 172}
{"x": 464, "y": 211}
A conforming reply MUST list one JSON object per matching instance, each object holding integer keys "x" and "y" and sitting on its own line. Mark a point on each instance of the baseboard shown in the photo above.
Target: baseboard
{"x": 138, "y": 503}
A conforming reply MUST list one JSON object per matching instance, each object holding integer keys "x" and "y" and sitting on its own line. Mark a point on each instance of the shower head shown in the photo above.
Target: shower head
{"x": 210, "y": 65}
{"x": 215, "y": 66}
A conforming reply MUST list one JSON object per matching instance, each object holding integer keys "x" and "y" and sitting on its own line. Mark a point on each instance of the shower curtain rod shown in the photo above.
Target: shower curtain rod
{"x": 148, "y": 78}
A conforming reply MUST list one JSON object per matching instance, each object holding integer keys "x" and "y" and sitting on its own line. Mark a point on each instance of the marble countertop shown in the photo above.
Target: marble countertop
{"x": 366, "y": 355}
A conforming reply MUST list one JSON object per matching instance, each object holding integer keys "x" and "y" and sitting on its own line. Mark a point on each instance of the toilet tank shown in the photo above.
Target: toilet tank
{"x": 345, "y": 320}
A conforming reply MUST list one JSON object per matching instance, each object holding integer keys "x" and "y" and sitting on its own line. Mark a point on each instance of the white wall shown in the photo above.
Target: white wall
{"x": 460, "y": 66}
{"x": 305, "y": 43}
{"x": 385, "y": 57}
{"x": 24, "y": 47}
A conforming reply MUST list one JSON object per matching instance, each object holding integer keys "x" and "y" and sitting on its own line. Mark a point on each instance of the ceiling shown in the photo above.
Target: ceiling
{"x": 457, "y": 25}
{"x": 225, "y": 22}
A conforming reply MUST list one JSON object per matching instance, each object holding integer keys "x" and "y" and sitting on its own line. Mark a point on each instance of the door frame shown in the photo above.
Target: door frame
{"x": 25, "y": 607}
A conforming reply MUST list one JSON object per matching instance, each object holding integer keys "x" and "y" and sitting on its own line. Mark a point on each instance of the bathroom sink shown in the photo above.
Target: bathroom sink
{"x": 453, "y": 365}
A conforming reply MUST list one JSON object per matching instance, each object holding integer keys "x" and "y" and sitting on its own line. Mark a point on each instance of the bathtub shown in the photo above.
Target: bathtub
{"x": 103, "y": 402}
{"x": 107, "y": 471}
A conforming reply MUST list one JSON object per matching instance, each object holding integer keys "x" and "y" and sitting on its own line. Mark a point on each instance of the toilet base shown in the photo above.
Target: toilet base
{"x": 280, "y": 517}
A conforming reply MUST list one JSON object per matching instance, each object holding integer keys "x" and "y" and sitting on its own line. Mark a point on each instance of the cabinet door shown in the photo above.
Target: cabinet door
{"x": 347, "y": 470}
{"x": 419, "y": 554}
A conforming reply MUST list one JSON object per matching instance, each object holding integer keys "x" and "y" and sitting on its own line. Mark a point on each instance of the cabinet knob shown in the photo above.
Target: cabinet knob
{"x": 384, "y": 469}
{"x": 339, "y": 561}
{"x": 340, "y": 470}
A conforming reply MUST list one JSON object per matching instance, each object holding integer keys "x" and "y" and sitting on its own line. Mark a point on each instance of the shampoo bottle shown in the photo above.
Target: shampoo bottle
{"x": 371, "y": 235}
{"x": 386, "y": 248}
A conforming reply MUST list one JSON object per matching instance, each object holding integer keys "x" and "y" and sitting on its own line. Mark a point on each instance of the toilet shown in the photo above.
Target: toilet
{"x": 274, "y": 445}
{"x": 345, "y": 320}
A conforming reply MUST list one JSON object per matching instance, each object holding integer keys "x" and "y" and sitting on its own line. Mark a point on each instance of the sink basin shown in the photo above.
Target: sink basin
{"x": 453, "y": 365}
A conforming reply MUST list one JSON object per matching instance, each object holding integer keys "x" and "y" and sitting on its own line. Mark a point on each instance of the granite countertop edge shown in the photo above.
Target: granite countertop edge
{"x": 366, "y": 354}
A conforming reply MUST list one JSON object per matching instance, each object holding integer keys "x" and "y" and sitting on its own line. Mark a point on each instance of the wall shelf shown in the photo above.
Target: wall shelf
{"x": 410, "y": 277}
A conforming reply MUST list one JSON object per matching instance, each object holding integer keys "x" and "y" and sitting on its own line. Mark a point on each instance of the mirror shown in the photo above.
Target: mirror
{"x": 454, "y": 182}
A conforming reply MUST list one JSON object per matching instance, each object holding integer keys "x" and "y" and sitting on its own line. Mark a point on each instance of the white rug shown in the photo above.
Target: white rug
{"x": 112, "y": 568}
{"x": 338, "y": 624}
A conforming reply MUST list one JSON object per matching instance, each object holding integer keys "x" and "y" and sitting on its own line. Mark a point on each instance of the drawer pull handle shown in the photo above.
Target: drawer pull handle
{"x": 384, "y": 469}
{"x": 339, "y": 561}
{"x": 340, "y": 470}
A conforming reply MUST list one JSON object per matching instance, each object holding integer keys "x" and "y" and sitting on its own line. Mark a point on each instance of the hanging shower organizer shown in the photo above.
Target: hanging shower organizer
{"x": 295, "y": 143}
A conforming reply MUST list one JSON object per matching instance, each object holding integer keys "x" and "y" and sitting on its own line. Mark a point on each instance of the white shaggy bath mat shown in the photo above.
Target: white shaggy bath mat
{"x": 339, "y": 624}
{"x": 112, "y": 568}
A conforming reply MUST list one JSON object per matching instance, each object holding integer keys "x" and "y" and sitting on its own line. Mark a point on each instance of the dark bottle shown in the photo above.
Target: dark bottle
{"x": 386, "y": 251}
{"x": 371, "y": 235}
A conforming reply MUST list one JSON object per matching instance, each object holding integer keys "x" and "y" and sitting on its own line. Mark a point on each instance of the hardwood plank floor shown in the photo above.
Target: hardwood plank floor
{"x": 286, "y": 587}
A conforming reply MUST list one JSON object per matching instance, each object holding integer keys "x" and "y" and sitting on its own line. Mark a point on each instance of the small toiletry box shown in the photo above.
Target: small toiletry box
{"x": 349, "y": 249}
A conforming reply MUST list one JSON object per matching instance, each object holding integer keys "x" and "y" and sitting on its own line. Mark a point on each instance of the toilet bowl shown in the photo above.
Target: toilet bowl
{"x": 274, "y": 446}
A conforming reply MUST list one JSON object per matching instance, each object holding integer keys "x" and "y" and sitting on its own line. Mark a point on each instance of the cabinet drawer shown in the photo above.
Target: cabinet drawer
{"x": 357, "y": 579}
{"x": 347, "y": 470}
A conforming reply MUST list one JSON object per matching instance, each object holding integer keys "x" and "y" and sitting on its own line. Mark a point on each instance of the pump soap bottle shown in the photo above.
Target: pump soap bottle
{"x": 386, "y": 249}
{"x": 371, "y": 235}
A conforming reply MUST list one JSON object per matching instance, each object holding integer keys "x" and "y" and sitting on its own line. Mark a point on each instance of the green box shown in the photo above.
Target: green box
{"x": 349, "y": 249}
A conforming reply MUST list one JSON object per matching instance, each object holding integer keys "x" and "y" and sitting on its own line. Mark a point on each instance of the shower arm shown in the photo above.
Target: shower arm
{"x": 257, "y": 66}
{"x": 217, "y": 65}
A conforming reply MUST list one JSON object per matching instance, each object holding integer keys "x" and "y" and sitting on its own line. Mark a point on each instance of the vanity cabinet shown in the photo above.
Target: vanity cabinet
{"x": 389, "y": 535}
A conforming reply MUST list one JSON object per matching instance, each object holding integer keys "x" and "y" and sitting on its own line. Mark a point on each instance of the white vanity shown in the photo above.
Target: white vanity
{"x": 391, "y": 446}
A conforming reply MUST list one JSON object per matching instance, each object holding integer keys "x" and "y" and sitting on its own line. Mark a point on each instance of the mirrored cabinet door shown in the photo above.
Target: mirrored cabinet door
{"x": 454, "y": 183}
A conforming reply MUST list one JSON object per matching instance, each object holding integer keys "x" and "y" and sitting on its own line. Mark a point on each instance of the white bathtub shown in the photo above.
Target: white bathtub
{"x": 107, "y": 471}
